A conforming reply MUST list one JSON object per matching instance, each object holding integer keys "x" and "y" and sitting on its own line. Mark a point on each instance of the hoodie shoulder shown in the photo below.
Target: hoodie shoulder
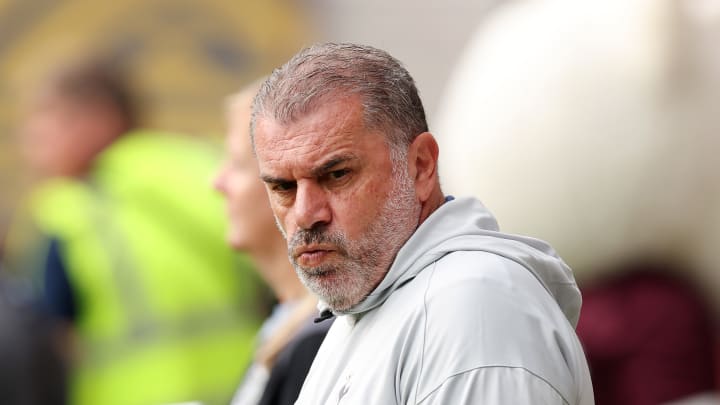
{"x": 487, "y": 279}
{"x": 497, "y": 308}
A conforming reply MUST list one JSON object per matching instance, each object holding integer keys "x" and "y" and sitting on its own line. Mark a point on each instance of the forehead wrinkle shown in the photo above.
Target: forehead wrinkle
{"x": 333, "y": 161}
{"x": 316, "y": 137}
{"x": 312, "y": 166}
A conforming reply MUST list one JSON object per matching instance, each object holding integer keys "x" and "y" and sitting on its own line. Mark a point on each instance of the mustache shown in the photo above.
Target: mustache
{"x": 316, "y": 236}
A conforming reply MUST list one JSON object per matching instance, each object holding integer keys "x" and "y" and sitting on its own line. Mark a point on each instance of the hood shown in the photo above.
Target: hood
{"x": 466, "y": 225}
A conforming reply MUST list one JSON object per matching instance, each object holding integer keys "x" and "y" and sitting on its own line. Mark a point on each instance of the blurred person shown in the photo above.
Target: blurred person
{"x": 289, "y": 339}
{"x": 594, "y": 125}
{"x": 434, "y": 304}
{"x": 125, "y": 243}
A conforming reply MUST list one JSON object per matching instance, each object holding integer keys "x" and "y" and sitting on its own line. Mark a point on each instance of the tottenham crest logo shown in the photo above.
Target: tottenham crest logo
{"x": 344, "y": 389}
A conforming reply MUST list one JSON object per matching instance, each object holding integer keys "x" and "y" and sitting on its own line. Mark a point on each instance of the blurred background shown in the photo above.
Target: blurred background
{"x": 184, "y": 57}
{"x": 591, "y": 125}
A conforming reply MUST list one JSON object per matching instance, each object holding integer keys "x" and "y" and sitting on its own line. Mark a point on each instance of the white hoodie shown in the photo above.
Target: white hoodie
{"x": 465, "y": 315}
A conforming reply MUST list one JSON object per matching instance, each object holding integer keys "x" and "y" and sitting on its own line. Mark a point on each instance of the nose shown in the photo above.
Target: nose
{"x": 220, "y": 181}
{"x": 311, "y": 206}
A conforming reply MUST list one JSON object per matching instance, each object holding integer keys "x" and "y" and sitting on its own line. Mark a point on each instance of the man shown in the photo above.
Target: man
{"x": 289, "y": 339}
{"x": 435, "y": 305}
{"x": 126, "y": 245}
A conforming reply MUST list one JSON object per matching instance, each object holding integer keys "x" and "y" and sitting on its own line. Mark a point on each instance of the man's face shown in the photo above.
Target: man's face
{"x": 342, "y": 208}
{"x": 251, "y": 223}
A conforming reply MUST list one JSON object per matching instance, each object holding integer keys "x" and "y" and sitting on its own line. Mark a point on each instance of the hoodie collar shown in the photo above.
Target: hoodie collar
{"x": 464, "y": 224}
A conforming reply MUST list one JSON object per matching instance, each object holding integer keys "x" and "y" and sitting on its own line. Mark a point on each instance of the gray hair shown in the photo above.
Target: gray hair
{"x": 389, "y": 97}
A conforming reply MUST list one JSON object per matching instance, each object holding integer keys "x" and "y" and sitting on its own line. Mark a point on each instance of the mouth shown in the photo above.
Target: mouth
{"x": 310, "y": 256}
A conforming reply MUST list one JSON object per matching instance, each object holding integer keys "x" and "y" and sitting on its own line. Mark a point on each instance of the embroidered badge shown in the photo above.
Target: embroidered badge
{"x": 344, "y": 389}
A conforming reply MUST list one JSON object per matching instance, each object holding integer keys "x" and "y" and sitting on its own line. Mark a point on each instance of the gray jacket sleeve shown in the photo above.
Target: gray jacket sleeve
{"x": 494, "y": 386}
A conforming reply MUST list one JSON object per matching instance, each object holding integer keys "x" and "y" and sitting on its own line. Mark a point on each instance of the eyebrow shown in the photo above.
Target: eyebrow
{"x": 316, "y": 172}
{"x": 273, "y": 180}
{"x": 327, "y": 166}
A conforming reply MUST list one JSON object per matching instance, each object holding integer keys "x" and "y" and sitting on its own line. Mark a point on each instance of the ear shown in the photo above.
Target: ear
{"x": 423, "y": 158}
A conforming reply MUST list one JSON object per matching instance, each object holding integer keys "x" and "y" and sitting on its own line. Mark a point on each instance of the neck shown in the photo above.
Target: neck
{"x": 276, "y": 270}
{"x": 434, "y": 202}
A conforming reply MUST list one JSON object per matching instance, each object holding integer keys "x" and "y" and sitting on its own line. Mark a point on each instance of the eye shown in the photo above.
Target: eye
{"x": 336, "y": 178}
{"x": 338, "y": 174}
{"x": 283, "y": 186}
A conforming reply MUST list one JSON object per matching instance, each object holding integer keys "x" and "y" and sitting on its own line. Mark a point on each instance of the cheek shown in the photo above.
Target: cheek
{"x": 359, "y": 208}
{"x": 262, "y": 204}
{"x": 351, "y": 217}
{"x": 282, "y": 216}
{"x": 44, "y": 134}
{"x": 283, "y": 219}
{"x": 233, "y": 190}
{"x": 252, "y": 197}
{"x": 240, "y": 191}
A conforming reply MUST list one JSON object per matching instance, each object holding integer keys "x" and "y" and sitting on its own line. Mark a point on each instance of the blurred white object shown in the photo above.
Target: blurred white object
{"x": 593, "y": 125}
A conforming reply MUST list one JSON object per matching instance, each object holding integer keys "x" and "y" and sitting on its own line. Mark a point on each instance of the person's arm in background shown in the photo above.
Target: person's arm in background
{"x": 57, "y": 296}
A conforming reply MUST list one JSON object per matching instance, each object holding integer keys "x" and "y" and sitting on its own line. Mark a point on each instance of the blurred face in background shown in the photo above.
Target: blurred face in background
{"x": 61, "y": 136}
{"x": 251, "y": 222}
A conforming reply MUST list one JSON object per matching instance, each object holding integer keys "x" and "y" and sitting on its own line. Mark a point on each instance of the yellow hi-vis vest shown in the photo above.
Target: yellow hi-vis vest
{"x": 166, "y": 312}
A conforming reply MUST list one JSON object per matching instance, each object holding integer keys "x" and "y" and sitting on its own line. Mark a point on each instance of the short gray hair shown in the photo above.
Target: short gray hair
{"x": 389, "y": 97}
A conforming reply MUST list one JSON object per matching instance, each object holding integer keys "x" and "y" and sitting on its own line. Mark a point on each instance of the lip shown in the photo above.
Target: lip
{"x": 312, "y": 248}
{"x": 312, "y": 255}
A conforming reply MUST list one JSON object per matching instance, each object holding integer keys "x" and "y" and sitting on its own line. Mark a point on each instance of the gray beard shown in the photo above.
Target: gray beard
{"x": 365, "y": 262}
